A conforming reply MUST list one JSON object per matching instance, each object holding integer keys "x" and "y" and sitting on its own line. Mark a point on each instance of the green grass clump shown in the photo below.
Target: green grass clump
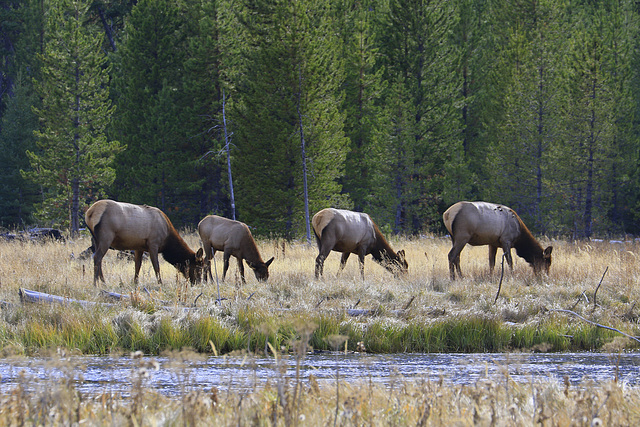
{"x": 96, "y": 331}
{"x": 205, "y": 331}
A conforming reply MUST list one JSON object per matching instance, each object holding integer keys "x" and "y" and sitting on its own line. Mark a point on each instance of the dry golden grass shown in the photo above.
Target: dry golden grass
{"x": 575, "y": 274}
{"x": 292, "y": 289}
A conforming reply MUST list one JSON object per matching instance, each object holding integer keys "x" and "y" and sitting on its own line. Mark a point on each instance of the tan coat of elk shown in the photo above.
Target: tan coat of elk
{"x": 353, "y": 232}
{"x": 125, "y": 226}
{"x": 482, "y": 223}
{"x": 232, "y": 238}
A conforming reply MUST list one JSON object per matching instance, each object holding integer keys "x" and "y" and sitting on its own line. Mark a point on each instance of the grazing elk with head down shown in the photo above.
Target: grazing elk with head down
{"x": 233, "y": 238}
{"x": 482, "y": 223}
{"x": 353, "y": 232}
{"x": 125, "y": 226}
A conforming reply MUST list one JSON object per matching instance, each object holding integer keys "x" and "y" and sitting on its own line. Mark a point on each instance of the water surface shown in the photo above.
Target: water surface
{"x": 170, "y": 376}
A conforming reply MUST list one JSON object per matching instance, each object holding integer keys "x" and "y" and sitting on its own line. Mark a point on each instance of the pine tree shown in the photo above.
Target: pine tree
{"x": 17, "y": 195}
{"x": 590, "y": 116}
{"x": 363, "y": 89}
{"x": 477, "y": 35}
{"x": 206, "y": 81}
{"x": 74, "y": 157}
{"x": 149, "y": 115}
{"x": 391, "y": 155}
{"x": 419, "y": 52}
{"x": 293, "y": 73}
{"x": 21, "y": 28}
{"x": 520, "y": 154}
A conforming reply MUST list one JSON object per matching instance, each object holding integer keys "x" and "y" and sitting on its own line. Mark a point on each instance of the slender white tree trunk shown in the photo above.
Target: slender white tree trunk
{"x": 226, "y": 146}
{"x": 304, "y": 160}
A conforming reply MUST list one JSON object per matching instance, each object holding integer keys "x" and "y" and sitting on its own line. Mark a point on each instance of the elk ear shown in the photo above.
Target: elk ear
{"x": 199, "y": 255}
{"x": 268, "y": 263}
{"x": 401, "y": 254}
{"x": 547, "y": 252}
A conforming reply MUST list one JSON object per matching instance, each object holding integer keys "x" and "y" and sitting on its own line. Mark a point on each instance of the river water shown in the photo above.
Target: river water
{"x": 170, "y": 376}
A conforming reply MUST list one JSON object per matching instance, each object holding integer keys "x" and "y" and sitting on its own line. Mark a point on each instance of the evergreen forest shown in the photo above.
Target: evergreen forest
{"x": 267, "y": 111}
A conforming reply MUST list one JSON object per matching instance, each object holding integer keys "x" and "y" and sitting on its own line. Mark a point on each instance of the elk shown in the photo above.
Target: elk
{"x": 125, "y": 226}
{"x": 353, "y": 232}
{"x": 482, "y": 223}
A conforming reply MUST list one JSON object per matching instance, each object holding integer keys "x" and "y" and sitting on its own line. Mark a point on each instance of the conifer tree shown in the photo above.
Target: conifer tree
{"x": 150, "y": 115}
{"x": 206, "y": 87}
{"x": 363, "y": 89}
{"x": 294, "y": 68}
{"x": 418, "y": 52}
{"x": 17, "y": 195}
{"x": 73, "y": 160}
{"x": 519, "y": 156}
{"x": 595, "y": 87}
{"x": 21, "y": 30}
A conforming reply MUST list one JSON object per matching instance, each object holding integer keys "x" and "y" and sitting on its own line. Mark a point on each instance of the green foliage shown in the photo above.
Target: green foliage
{"x": 291, "y": 86}
{"x": 520, "y": 158}
{"x": 423, "y": 125}
{"x": 17, "y": 195}
{"x": 74, "y": 155}
{"x": 169, "y": 92}
{"x": 405, "y": 107}
{"x": 363, "y": 89}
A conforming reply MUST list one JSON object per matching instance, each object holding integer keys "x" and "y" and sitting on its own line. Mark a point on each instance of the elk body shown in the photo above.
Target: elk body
{"x": 232, "y": 238}
{"x": 353, "y": 232}
{"x": 125, "y": 226}
{"x": 482, "y": 223}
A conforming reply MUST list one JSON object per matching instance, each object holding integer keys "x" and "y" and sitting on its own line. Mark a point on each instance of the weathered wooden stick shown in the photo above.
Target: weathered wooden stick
{"x": 584, "y": 294}
{"x": 598, "y": 287}
{"x": 501, "y": 276}
{"x": 409, "y": 303}
{"x": 596, "y": 324}
{"x": 29, "y": 296}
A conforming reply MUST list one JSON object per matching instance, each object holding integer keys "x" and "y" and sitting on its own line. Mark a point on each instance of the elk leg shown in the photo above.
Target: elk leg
{"x": 324, "y": 252}
{"x": 153, "y": 255}
{"x": 225, "y": 258}
{"x": 507, "y": 254}
{"x": 241, "y": 268}
{"x": 320, "y": 264}
{"x": 361, "y": 255}
{"x": 208, "y": 267}
{"x": 209, "y": 253}
{"x": 343, "y": 260}
{"x": 97, "y": 264}
{"x": 137, "y": 259}
{"x": 492, "y": 257}
{"x": 454, "y": 260}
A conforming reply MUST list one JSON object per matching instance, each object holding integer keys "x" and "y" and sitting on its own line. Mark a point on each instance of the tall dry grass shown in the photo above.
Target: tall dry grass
{"x": 293, "y": 311}
{"x": 499, "y": 401}
{"x": 294, "y": 294}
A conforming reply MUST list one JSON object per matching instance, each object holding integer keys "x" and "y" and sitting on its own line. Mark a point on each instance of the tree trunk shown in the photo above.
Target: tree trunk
{"x": 226, "y": 146}
{"x": 304, "y": 161}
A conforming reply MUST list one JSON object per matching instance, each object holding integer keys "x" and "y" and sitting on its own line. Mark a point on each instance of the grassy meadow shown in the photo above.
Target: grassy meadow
{"x": 294, "y": 313}
{"x": 423, "y": 311}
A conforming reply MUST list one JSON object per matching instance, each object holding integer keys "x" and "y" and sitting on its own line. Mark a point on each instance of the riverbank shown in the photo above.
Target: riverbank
{"x": 182, "y": 388}
{"x": 421, "y": 312}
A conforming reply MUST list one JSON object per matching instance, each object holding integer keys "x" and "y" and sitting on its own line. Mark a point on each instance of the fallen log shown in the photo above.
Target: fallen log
{"x": 353, "y": 312}
{"x": 29, "y": 296}
{"x": 113, "y": 296}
